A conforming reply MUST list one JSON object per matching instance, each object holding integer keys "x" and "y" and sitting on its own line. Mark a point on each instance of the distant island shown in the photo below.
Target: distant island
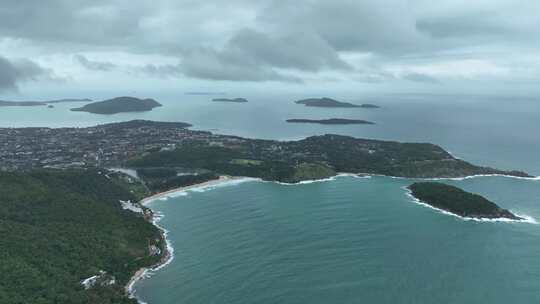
{"x": 332, "y": 121}
{"x": 326, "y": 102}
{"x": 5, "y": 103}
{"x": 119, "y": 105}
{"x": 204, "y": 93}
{"x": 230, "y": 100}
{"x": 369, "y": 106}
{"x": 458, "y": 202}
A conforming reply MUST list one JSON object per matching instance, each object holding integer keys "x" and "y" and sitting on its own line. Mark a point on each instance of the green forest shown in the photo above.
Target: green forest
{"x": 458, "y": 201}
{"x": 60, "y": 227}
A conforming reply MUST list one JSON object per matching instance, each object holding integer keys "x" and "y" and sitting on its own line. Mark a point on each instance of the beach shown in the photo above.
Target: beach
{"x": 168, "y": 254}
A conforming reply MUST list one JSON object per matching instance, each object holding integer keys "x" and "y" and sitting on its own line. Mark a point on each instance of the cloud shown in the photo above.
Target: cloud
{"x": 229, "y": 65}
{"x": 257, "y": 56}
{"x": 12, "y": 72}
{"x": 419, "y": 77}
{"x": 160, "y": 71}
{"x": 94, "y": 65}
{"x": 289, "y": 41}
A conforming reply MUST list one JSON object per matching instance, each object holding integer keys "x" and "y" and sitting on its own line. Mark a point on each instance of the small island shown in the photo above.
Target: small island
{"x": 326, "y": 102}
{"x": 332, "y": 121}
{"x": 5, "y": 103}
{"x": 458, "y": 202}
{"x": 369, "y": 106}
{"x": 119, "y": 105}
{"x": 238, "y": 100}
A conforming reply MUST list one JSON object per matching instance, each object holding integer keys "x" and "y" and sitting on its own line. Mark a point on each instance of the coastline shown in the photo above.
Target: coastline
{"x": 222, "y": 178}
{"x": 168, "y": 254}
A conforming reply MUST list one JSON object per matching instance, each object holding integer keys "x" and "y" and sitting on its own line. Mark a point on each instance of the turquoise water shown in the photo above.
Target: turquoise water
{"x": 350, "y": 240}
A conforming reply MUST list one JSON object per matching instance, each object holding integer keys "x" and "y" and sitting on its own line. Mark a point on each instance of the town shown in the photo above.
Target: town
{"x": 106, "y": 145}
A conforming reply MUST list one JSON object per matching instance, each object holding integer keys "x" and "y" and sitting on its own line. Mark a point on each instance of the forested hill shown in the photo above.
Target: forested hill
{"x": 119, "y": 105}
{"x": 60, "y": 227}
{"x": 315, "y": 157}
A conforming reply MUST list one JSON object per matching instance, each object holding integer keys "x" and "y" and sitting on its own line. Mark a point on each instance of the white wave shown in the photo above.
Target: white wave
{"x": 535, "y": 178}
{"x": 173, "y": 195}
{"x": 322, "y": 180}
{"x": 148, "y": 272}
{"x": 227, "y": 183}
{"x": 525, "y": 218}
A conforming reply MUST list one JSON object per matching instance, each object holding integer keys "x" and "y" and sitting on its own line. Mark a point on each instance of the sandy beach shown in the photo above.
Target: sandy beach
{"x": 221, "y": 179}
{"x": 168, "y": 254}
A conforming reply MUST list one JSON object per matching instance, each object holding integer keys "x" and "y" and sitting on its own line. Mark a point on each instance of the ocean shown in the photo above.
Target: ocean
{"x": 346, "y": 240}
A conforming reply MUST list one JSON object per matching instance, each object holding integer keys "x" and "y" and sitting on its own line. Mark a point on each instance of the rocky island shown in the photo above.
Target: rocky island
{"x": 458, "y": 202}
{"x": 119, "y": 105}
{"x": 332, "y": 121}
{"x": 238, "y": 100}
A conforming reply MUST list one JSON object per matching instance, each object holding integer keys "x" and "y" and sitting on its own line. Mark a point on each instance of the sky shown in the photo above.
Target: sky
{"x": 59, "y": 47}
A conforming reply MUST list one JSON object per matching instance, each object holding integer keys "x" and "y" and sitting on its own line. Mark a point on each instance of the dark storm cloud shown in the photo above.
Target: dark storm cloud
{"x": 14, "y": 72}
{"x": 94, "y": 65}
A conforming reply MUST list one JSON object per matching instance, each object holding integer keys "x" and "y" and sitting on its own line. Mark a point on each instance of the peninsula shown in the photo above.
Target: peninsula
{"x": 238, "y": 100}
{"x": 332, "y": 121}
{"x": 119, "y": 105}
{"x": 458, "y": 202}
{"x": 80, "y": 232}
{"x": 146, "y": 144}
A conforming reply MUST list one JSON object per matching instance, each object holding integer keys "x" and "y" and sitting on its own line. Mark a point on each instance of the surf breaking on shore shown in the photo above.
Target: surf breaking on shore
{"x": 224, "y": 181}
{"x": 168, "y": 256}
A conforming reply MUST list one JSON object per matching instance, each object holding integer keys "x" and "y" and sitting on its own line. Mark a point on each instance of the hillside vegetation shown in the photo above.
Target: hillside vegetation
{"x": 60, "y": 227}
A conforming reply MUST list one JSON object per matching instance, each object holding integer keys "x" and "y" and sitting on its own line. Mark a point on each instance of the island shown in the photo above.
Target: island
{"x": 458, "y": 201}
{"x": 238, "y": 100}
{"x": 326, "y": 102}
{"x": 119, "y": 105}
{"x": 332, "y": 121}
{"x": 369, "y": 106}
{"x": 4, "y": 103}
